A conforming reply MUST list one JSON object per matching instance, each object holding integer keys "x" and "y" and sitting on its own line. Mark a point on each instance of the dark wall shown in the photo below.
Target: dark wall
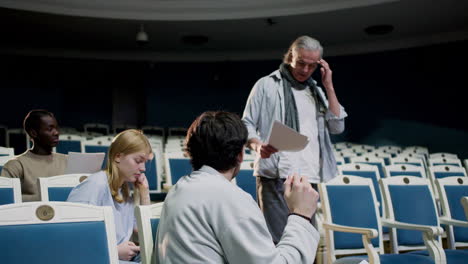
{"x": 405, "y": 97}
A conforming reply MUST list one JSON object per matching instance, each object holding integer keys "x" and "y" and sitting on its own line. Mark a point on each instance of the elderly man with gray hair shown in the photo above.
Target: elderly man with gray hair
{"x": 291, "y": 96}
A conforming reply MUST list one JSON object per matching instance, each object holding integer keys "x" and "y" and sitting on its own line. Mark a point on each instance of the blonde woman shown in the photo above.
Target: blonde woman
{"x": 126, "y": 159}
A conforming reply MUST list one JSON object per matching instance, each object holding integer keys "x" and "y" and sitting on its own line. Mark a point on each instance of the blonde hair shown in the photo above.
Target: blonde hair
{"x": 126, "y": 142}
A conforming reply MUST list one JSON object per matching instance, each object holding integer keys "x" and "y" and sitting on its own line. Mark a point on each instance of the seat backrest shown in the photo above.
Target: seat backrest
{"x": 409, "y": 199}
{"x": 362, "y": 148}
{"x": 69, "y": 143}
{"x": 77, "y": 233}
{"x": 443, "y": 155}
{"x": 7, "y": 151}
{"x": 402, "y": 160}
{"x": 246, "y": 180}
{"x": 393, "y": 150}
{"x": 404, "y": 169}
{"x": 379, "y": 162}
{"x": 177, "y": 166}
{"x": 442, "y": 171}
{"x": 379, "y": 154}
{"x": 416, "y": 150}
{"x": 364, "y": 170}
{"x": 96, "y": 145}
{"x": 153, "y": 175}
{"x": 451, "y": 191}
{"x": 147, "y": 217}
{"x": 346, "y": 155}
{"x": 360, "y": 211}
{"x": 10, "y": 190}
{"x": 57, "y": 188}
{"x": 445, "y": 161}
{"x": 339, "y": 160}
{"x": 158, "y": 149}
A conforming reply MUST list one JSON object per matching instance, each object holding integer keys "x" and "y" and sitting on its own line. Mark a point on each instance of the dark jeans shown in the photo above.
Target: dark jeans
{"x": 273, "y": 205}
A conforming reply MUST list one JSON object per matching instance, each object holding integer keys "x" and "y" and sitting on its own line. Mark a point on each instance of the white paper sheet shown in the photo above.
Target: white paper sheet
{"x": 284, "y": 138}
{"x": 84, "y": 162}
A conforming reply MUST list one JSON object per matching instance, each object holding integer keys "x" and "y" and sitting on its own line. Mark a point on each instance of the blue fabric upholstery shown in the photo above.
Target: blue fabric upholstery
{"x": 453, "y": 256}
{"x": 454, "y": 194}
{"x": 6, "y": 196}
{"x": 371, "y": 175}
{"x": 179, "y": 168}
{"x": 379, "y": 165}
{"x": 154, "y": 227}
{"x": 352, "y": 206}
{"x": 408, "y": 163}
{"x": 152, "y": 173}
{"x": 405, "y": 173}
{"x": 443, "y": 174}
{"x": 445, "y": 163}
{"x": 56, "y": 243}
{"x": 247, "y": 182}
{"x": 65, "y": 146}
{"x": 59, "y": 194}
{"x": 98, "y": 149}
{"x": 389, "y": 259}
{"x": 412, "y": 204}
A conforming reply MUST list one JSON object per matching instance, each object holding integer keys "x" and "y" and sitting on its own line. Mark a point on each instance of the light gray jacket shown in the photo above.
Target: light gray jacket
{"x": 208, "y": 219}
{"x": 265, "y": 105}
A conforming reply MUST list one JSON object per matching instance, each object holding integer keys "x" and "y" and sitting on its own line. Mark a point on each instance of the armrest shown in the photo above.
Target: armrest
{"x": 432, "y": 230}
{"x": 453, "y": 222}
{"x": 428, "y": 232}
{"x": 367, "y": 235}
{"x": 370, "y": 232}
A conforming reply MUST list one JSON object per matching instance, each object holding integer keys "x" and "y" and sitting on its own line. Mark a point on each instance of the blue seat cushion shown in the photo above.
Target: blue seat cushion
{"x": 6, "y": 196}
{"x": 55, "y": 243}
{"x": 357, "y": 212}
{"x": 247, "y": 182}
{"x": 389, "y": 259}
{"x": 59, "y": 194}
{"x": 454, "y": 194}
{"x": 412, "y": 204}
{"x": 154, "y": 227}
{"x": 179, "y": 168}
{"x": 453, "y": 256}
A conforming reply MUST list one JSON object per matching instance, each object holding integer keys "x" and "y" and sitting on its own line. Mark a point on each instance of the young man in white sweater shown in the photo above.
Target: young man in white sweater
{"x": 207, "y": 219}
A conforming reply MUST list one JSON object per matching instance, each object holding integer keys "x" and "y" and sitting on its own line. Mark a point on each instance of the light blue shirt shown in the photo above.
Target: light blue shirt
{"x": 95, "y": 191}
{"x": 265, "y": 105}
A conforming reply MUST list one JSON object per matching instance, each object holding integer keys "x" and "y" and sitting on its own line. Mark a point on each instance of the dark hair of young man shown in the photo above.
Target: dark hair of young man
{"x": 32, "y": 120}
{"x": 216, "y": 139}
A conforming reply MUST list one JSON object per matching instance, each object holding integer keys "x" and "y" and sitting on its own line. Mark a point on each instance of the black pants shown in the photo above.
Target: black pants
{"x": 270, "y": 193}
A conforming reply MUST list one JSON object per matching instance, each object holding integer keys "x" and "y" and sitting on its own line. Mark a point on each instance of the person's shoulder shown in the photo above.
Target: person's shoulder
{"x": 98, "y": 178}
{"x": 17, "y": 160}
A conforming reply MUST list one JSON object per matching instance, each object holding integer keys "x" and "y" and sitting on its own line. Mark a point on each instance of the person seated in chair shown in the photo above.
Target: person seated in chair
{"x": 208, "y": 219}
{"x": 39, "y": 161}
{"x": 125, "y": 168}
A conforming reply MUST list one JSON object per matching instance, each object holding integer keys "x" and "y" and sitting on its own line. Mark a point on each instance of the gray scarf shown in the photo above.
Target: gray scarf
{"x": 291, "y": 118}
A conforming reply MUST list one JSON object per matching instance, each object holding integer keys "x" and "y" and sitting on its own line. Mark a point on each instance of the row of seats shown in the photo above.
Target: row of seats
{"x": 30, "y": 230}
{"x": 350, "y": 219}
{"x": 353, "y": 224}
{"x": 57, "y": 188}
